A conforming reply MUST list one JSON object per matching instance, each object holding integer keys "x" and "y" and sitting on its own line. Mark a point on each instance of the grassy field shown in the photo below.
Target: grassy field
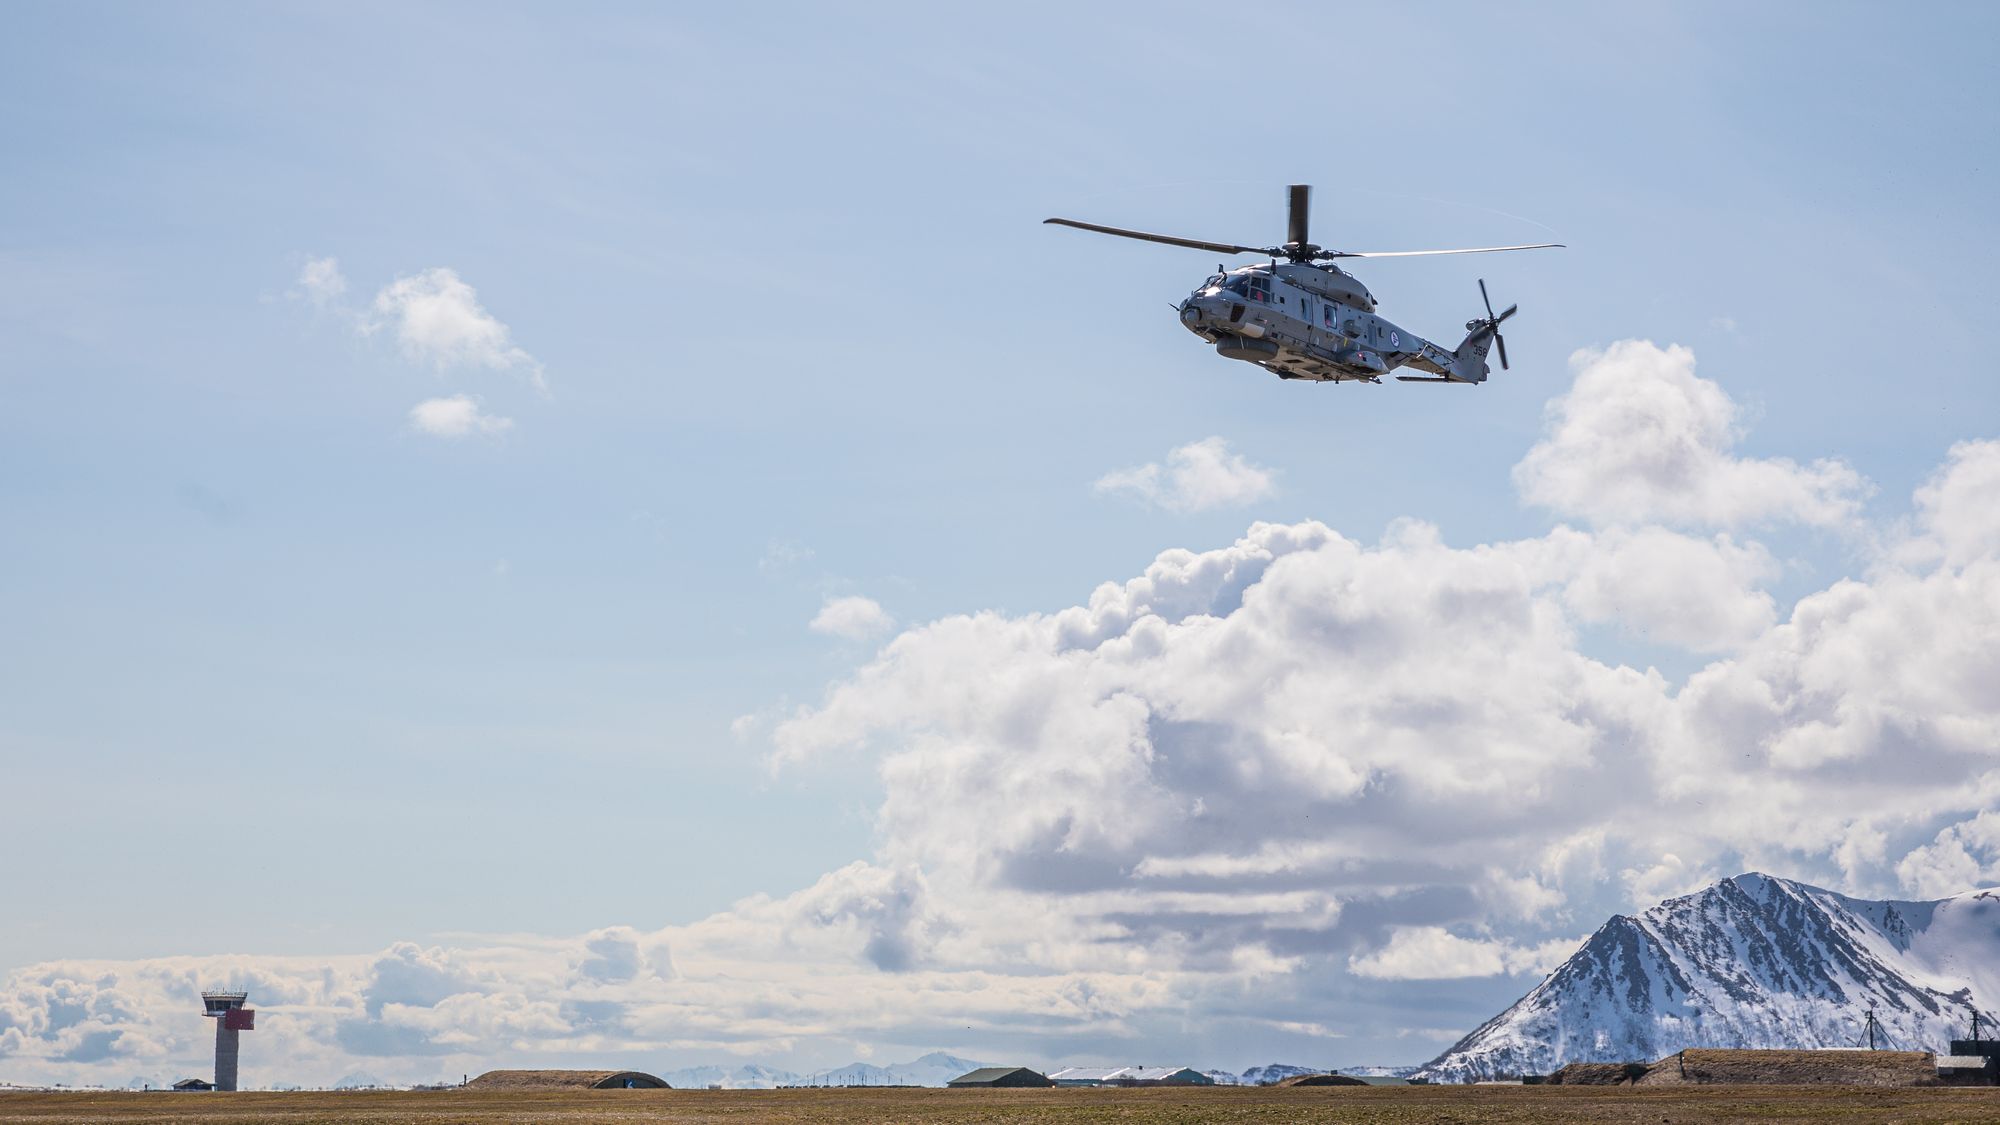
{"x": 1226, "y": 1104}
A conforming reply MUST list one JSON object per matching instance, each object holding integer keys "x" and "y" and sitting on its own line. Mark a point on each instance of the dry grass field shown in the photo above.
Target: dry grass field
{"x": 1652, "y": 1106}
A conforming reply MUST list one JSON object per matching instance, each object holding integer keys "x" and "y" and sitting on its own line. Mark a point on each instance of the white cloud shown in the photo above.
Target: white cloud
{"x": 1963, "y": 855}
{"x": 438, "y": 319}
{"x": 782, "y": 555}
{"x": 435, "y": 315}
{"x": 321, "y": 282}
{"x": 1698, "y": 594}
{"x": 1278, "y": 777}
{"x": 455, "y": 417}
{"x": 1958, "y": 520}
{"x": 1640, "y": 438}
{"x": 1671, "y": 877}
{"x": 1197, "y": 477}
{"x": 854, "y": 618}
{"x": 1435, "y": 953}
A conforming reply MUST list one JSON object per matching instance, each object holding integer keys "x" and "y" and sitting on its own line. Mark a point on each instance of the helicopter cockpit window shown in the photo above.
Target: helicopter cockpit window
{"x": 1251, "y": 286}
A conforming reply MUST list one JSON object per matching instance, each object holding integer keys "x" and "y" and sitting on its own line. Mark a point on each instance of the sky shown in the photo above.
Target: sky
{"x": 616, "y": 537}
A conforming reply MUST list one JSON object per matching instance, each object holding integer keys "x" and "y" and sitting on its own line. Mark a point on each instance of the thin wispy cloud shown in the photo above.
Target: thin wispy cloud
{"x": 321, "y": 283}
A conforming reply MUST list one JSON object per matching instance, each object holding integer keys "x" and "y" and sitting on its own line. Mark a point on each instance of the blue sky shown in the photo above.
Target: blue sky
{"x": 287, "y": 675}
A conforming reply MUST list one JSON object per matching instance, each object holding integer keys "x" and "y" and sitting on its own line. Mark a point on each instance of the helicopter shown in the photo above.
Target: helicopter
{"x": 1305, "y": 318}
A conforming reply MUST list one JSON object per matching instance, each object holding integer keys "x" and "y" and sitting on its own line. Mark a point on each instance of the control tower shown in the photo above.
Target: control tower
{"x": 231, "y": 1017}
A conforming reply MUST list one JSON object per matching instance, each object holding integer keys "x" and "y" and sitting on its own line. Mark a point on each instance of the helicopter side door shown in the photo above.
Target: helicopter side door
{"x": 1301, "y": 312}
{"x": 1326, "y": 326}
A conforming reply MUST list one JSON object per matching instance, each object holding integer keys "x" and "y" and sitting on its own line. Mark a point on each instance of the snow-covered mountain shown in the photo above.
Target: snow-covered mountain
{"x": 1753, "y": 961}
{"x": 361, "y": 1080}
{"x": 1274, "y": 1073}
{"x": 934, "y": 1069}
{"x": 749, "y": 1076}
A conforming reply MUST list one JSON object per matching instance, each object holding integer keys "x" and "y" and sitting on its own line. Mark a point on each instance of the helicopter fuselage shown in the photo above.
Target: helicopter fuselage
{"x": 1303, "y": 321}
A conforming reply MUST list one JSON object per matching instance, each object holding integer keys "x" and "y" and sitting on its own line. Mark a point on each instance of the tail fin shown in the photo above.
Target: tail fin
{"x": 1469, "y": 358}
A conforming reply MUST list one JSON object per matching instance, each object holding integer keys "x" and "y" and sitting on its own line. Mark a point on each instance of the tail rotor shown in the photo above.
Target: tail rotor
{"x": 1493, "y": 322}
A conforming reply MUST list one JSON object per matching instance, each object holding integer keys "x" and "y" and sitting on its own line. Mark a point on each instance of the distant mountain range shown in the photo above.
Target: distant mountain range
{"x": 1753, "y": 961}
{"x": 934, "y": 1069}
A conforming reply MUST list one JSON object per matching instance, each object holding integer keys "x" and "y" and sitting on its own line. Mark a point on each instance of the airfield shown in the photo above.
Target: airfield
{"x": 1178, "y": 1105}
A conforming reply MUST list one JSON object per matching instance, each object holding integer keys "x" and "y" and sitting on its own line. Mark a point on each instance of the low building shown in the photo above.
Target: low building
{"x": 1598, "y": 1074}
{"x": 1972, "y": 1062}
{"x": 567, "y": 1080}
{"x": 193, "y": 1085}
{"x": 990, "y": 1077}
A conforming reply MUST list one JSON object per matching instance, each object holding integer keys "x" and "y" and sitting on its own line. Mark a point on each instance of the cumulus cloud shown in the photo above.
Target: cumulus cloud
{"x": 437, "y": 318}
{"x": 1297, "y": 773}
{"x": 854, "y": 618}
{"x": 1698, "y": 594}
{"x": 1435, "y": 953}
{"x": 1197, "y": 477}
{"x": 1640, "y": 438}
{"x": 1963, "y": 855}
{"x": 1956, "y": 516}
{"x": 455, "y": 417}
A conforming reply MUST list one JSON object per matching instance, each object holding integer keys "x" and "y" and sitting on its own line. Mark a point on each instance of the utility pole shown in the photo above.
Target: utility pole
{"x": 1871, "y": 1029}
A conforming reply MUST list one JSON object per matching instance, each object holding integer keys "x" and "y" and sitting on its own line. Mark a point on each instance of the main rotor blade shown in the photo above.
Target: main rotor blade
{"x": 1421, "y": 253}
{"x": 1170, "y": 240}
{"x": 1296, "y": 214}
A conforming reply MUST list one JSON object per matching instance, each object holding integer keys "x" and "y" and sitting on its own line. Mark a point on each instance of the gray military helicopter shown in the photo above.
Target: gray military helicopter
{"x": 1306, "y": 319}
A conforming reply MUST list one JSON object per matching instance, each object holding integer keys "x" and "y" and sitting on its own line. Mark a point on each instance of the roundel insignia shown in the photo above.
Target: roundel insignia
{"x": 1395, "y": 339}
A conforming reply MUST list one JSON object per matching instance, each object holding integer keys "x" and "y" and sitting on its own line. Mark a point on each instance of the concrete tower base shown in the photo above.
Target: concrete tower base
{"x": 226, "y": 1039}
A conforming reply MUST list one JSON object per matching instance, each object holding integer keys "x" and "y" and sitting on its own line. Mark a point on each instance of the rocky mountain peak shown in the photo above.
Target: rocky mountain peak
{"x": 1753, "y": 961}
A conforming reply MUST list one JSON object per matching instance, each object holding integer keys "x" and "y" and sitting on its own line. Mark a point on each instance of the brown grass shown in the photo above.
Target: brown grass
{"x": 1178, "y": 1106}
